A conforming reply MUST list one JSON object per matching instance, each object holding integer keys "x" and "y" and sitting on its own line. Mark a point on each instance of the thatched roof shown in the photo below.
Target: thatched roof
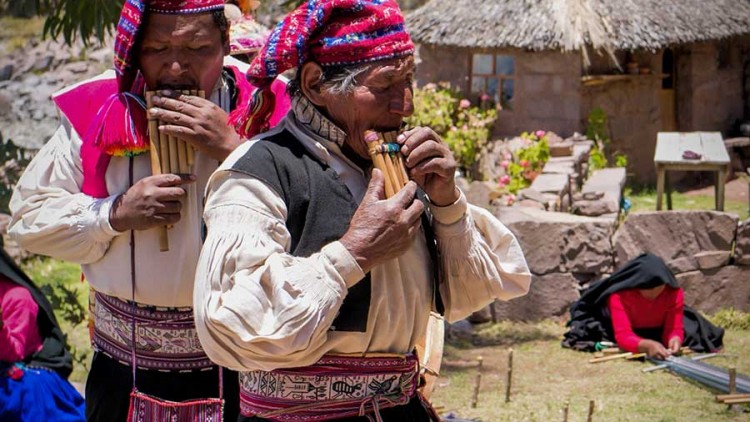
{"x": 571, "y": 24}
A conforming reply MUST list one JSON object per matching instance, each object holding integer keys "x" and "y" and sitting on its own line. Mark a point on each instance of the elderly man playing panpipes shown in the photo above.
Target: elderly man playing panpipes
{"x": 89, "y": 196}
{"x": 312, "y": 284}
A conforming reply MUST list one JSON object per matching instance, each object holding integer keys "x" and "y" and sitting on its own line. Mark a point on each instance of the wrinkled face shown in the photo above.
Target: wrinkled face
{"x": 380, "y": 101}
{"x": 181, "y": 52}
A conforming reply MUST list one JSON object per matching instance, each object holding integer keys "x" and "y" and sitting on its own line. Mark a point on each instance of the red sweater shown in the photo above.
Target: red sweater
{"x": 19, "y": 335}
{"x": 630, "y": 310}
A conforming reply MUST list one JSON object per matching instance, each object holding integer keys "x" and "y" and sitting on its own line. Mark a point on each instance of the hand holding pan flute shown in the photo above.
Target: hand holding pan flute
{"x": 197, "y": 121}
{"x": 430, "y": 164}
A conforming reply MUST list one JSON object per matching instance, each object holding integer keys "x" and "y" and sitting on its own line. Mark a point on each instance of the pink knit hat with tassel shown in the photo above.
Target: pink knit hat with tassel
{"x": 329, "y": 32}
{"x": 120, "y": 127}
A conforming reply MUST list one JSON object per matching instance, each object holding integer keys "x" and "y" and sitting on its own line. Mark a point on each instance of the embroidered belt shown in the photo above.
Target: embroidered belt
{"x": 165, "y": 337}
{"x": 334, "y": 387}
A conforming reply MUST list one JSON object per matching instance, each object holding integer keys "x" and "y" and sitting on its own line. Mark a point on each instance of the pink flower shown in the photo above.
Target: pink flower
{"x": 504, "y": 164}
{"x": 484, "y": 97}
{"x": 540, "y": 133}
{"x": 464, "y": 103}
{"x": 465, "y": 127}
{"x": 510, "y": 199}
{"x": 524, "y": 163}
{"x": 507, "y": 155}
{"x": 504, "y": 180}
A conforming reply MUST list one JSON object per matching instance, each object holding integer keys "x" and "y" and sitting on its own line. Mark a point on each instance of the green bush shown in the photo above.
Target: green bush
{"x": 731, "y": 318}
{"x": 465, "y": 128}
{"x": 522, "y": 168}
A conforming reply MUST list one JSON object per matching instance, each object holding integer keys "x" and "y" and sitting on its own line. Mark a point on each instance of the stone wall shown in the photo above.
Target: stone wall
{"x": 708, "y": 251}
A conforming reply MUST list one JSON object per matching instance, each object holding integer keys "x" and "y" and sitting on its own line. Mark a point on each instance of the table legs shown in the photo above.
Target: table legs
{"x": 660, "y": 172}
{"x": 719, "y": 195}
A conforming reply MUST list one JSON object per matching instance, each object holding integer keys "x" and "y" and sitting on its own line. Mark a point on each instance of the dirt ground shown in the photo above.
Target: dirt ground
{"x": 734, "y": 190}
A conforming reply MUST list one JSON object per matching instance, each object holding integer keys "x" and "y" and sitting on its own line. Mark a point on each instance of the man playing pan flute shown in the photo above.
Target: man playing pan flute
{"x": 89, "y": 196}
{"x": 310, "y": 282}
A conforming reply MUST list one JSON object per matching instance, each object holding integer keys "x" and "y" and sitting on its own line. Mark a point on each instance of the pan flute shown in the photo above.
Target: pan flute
{"x": 168, "y": 153}
{"x": 386, "y": 157}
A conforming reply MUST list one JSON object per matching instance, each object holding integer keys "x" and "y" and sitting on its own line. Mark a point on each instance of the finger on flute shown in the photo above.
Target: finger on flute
{"x": 153, "y": 137}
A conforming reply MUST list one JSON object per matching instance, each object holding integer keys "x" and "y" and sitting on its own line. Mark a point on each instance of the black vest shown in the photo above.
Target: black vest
{"x": 319, "y": 209}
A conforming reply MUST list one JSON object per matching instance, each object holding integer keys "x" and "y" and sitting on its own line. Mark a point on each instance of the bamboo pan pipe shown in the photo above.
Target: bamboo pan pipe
{"x": 386, "y": 157}
{"x": 168, "y": 153}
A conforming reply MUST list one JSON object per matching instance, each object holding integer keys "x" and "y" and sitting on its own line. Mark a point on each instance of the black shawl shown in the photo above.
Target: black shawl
{"x": 590, "y": 321}
{"x": 53, "y": 355}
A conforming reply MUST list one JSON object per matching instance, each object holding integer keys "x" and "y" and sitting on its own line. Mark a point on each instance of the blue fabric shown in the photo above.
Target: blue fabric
{"x": 40, "y": 395}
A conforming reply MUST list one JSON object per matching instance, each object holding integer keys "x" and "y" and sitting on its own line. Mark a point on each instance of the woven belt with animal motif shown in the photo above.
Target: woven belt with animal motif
{"x": 334, "y": 387}
{"x": 165, "y": 337}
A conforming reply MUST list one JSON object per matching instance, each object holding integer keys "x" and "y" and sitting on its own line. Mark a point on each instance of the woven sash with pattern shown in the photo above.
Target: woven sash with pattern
{"x": 334, "y": 387}
{"x": 165, "y": 337}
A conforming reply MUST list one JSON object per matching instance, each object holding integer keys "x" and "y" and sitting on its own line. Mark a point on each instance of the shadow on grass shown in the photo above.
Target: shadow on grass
{"x": 508, "y": 334}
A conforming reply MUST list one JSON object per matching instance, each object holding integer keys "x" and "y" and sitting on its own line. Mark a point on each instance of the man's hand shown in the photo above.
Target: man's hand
{"x": 430, "y": 163}
{"x": 383, "y": 229}
{"x": 653, "y": 349}
{"x": 151, "y": 202}
{"x": 197, "y": 121}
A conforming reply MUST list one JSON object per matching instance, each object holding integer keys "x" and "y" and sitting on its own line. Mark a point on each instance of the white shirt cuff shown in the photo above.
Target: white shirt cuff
{"x": 451, "y": 213}
{"x": 105, "y": 207}
{"x": 344, "y": 263}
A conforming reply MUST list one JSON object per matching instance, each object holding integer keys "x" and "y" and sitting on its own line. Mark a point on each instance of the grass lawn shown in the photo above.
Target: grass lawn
{"x": 545, "y": 375}
{"x": 645, "y": 200}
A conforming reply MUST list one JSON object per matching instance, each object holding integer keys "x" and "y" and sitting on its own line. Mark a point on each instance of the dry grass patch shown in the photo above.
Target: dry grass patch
{"x": 545, "y": 376}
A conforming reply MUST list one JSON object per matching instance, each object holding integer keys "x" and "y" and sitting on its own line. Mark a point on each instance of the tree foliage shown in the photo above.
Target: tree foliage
{"x": 93, "y": 20}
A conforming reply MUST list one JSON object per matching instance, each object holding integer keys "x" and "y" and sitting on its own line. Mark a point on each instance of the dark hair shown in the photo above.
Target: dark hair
{"x": 338, "y": 79}
{"x": 221, "y": 22}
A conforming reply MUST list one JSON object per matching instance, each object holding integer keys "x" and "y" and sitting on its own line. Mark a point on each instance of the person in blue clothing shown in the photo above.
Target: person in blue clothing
{"x": 34, "y": 361}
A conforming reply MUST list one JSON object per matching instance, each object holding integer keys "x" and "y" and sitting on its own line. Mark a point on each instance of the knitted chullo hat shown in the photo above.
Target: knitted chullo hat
{"x": 120, "y": 125}
{"x": 329, "y": 32}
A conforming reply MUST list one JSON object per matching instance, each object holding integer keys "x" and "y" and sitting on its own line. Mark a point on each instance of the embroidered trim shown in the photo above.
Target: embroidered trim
{"x": 315, "y": 121}
{"x": 334, "y": 387}
{"x": 166, "y": 338}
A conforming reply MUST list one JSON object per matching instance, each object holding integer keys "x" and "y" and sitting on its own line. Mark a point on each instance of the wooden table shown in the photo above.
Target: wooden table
{"x": 669, "y": 149}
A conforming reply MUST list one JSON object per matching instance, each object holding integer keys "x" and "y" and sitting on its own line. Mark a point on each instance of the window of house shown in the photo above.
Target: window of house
{"x": 494, "y": 75}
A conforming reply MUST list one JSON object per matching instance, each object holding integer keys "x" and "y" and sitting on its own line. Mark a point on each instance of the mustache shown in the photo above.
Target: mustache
{"x": 176, "y": 85}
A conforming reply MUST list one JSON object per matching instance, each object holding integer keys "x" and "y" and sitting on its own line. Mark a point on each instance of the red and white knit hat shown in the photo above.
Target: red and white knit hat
{"x": 329, "y": 32}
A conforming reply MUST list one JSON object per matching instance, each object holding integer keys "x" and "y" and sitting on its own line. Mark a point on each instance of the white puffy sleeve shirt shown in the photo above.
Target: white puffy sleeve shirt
{"x": 259, "y": 307}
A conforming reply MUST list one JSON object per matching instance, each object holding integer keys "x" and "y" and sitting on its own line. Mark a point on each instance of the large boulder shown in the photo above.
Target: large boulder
{"x": 550, "y": 295}
{"x": 742, "y": 247}
{"x": 675, "y": 236}
{"x": 712, "y": 290}
{"x": 559, "y": 242}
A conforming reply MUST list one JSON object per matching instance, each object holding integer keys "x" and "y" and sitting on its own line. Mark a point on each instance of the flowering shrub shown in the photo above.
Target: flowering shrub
{"x": 528, "y": 162}
{"x": 463, "y": 127}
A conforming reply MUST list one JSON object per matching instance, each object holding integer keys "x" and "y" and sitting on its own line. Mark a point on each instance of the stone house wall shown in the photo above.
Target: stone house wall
{"x": 634, "y": 114}
{"x": 547, "y": 86}
{"x": 549, "y": 94}
{"x": 709, "y": 82}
